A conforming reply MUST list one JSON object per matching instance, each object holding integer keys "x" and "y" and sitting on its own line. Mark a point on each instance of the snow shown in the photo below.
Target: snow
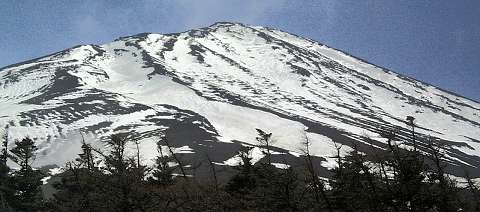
{"x": 46, "y": 179}
{"x": 183, "y": 149}
{"x": 281, "y": 165}
{"x": 256, "y": 154}
{"x": 234, "y": 60}
{"x": 62, "y": 150}
{"x": 56, "y": 171}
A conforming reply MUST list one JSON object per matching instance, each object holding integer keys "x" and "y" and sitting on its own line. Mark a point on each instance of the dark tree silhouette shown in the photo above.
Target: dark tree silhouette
{"x": 264, "y": 139}
{"x": 26, "y": 181}
{"x": 5, "y": 182}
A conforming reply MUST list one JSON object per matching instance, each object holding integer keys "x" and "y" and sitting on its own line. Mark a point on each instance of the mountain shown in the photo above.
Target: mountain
{"x": 208, "y": 89}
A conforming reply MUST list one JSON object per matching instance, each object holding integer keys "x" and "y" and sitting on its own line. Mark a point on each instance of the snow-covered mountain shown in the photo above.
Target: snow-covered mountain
{"x": 210, "y": 88}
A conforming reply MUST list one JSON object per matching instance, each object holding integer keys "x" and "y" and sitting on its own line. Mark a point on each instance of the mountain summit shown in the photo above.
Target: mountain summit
{"x": 208, "y": 89}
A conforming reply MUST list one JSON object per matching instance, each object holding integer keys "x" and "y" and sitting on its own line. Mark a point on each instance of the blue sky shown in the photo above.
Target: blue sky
{"x": 435, "y": 41}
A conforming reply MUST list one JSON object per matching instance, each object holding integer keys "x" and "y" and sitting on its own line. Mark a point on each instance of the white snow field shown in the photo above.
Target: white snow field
{"x": 231, "y": 78}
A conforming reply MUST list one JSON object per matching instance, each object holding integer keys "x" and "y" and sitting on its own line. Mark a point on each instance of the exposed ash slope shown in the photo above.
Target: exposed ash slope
{"x": 213, "y": 86}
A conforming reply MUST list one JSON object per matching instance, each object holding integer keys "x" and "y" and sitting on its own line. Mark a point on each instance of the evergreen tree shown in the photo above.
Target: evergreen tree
{"x": 26, "y": 181}
{"x": 263, "y": 187}
{"x": 78, "y": 188}
{"x": 5, "y": 186}
{"x": 473, "y": 198}
{"x": 124, "y": 184}
{"x": 4, "y": 147}
{"x": 354, "y": 185}
{"x": 276, "y": 189}
{"x": 163, "y": 172}
{"x": 397, "y": 179}
{"x": 244, "y": 181}
{"x": 313, "y": 183}
{"x": 265, "y": 141}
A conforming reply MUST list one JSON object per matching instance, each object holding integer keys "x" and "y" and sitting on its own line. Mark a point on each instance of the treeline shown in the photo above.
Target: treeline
{"x": 397, "y": 179}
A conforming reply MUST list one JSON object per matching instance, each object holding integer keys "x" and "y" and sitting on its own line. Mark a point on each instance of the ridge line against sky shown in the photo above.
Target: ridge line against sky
{"x": 434, "y": 41}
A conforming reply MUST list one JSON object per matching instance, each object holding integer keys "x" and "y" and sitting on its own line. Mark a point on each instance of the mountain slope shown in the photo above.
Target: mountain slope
{"x": 211, "y": 87}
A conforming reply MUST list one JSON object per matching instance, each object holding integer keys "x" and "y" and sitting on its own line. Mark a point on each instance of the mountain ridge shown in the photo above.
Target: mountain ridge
{"x": 239, "y": 23}
{"x": 220, "y": 81}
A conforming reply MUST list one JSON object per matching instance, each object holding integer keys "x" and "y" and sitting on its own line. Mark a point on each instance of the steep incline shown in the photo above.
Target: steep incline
{"x": 213, "y": 86}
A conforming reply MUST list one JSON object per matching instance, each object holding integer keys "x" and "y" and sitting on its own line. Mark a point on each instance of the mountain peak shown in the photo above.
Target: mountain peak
{"x": 225, "y": 24}
{"x": 210, "y": 88}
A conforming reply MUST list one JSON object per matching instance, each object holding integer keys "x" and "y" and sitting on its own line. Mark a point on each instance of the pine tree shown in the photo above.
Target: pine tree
{"x": 442, "y": 189}
{"x": 4, "y": 153}
{"x": 276, "y": 189}
{"x": 180, "y": 165}
{"x": 244, "y": 181}
{"x": 242, "y": 185}
{"x": 265, "y": 141}
{"x": 313, "y": 182}
{"x": 474, "y": 189}
{"x": 354, "y": 185}
{"x": 26, "y": 181}
{"x": 5, "y": 186}
{"x": 163, "y": 172}
{"x": 78, "y": 188}
{"x": 86, "y": 158}
{"x": 124, "y": 184}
